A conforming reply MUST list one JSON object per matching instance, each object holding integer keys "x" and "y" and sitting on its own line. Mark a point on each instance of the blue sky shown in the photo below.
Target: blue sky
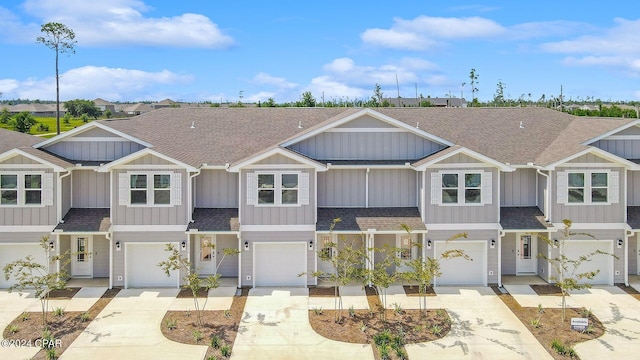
{"x": 195, "y": 50}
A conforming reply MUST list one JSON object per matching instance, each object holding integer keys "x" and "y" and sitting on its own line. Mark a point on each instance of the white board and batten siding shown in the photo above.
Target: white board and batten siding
{"x": 252, "y": 214}
{"x": 299, "y": 241}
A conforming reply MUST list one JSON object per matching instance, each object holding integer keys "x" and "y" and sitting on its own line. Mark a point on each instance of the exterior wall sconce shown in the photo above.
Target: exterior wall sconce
{"x": 493, "y": 243}
{"x": 183, "y": 245}
{"x": 555, "y": 242}
{"x": 311, "y": 245}
{"x": 246, "y": 246}
{"x": 620, "y": 242}
{"x": 118, "y": 247}
{"x": 52, "y": 245}
{"x": 429, "y": 244}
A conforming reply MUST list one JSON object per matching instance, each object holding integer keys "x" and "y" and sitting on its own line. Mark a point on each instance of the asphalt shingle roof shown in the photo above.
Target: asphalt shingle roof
{"x": 215, "y": 219}
{"x": 633, "y": 217}
{"x": 85, "y": 220}
{"x": 522, "y": 218}
{"x": 362, "y": 219}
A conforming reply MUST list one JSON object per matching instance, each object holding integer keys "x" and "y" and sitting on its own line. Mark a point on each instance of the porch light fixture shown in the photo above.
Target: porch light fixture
{"x": 118, "y": 246}
{"x": 428, "y": 244}
{"x": 52, "y": 246}
{"x": 555, "y": 242}
{"x": 620, "y": 242}
{"x": 311, "y": 245}
{"x": 183, "y": 245}
{"x": 493, "y": 243}
{"x": 246, "y": 246}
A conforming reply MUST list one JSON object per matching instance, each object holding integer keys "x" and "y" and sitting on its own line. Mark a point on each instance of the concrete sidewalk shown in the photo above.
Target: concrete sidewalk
{"x": 129, "y": 328}
{"x": 217, "y": 299}
{"x": 83, "y": 300}
{"x": 276, "y": 326}
{"x": 352, "y": 295}
{"x": 11, "y": 306}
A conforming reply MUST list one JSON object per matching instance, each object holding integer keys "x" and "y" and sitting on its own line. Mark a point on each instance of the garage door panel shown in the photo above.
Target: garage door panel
{"x": 576, "y": 248}
{"x": 280, "y": 264}
{"x": 458, "y": 271}
{"x": 11, "y": 253}
{"x": 143, "y": 269}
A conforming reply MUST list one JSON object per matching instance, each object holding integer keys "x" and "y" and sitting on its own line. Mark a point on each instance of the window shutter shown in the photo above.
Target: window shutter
{"x": 436, "y": 188}
{"x": 123, "y": 189}
{"x": 252, "y": 188}
{"x": 614, "y": 187}
{"x": 304, "y": 189}
{"x": 176, "y": 189}
{"x": 487, "y": 187}
{"x": 561, "y": 187}
{"x": 47, "y": 189}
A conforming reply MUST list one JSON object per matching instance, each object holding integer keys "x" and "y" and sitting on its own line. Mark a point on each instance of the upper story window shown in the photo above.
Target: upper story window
{"x": 278, "y": 188}
{"x": 150, "y": 189}
{"x": 25, "y": 189}
{"x": 462, "y": 187}
{"x": 588, "y": 187}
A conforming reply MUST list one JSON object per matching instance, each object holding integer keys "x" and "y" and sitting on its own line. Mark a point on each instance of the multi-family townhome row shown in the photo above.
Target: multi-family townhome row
{"x": 269, "y": 182}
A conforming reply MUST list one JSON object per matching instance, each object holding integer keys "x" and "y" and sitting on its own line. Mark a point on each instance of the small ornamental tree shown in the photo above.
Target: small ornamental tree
{"x": 32, "y": 275}
{"x": 566, "y": 271}
{"x": 192, "y": 279}
{"x": 423, "y": 271}
{"x": 377, "y": 273}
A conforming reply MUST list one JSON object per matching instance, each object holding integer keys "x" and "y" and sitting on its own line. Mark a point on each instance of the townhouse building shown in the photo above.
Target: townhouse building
{"x": 270, "y": 181}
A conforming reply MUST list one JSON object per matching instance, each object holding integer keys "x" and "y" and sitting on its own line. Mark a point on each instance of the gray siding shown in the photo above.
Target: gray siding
{"x": 90, "y": 189}
{"x": 24, "y": 237}
{"x": 247, "y": 256}
{"x": 275, "y": 215}
{"x": 614, "y": 213}
{"x": 31, "y": 215}
{"x": 381, "y": 241}
{"x": 633, "y": 188}
{"x": 451, "y": 214}
{"x": 589, "y": 159}
{"x": 392, "y": 188}
{"x": 542, "y": 192}
{"x": 66, "y": 194}
{"x": 142, "y": 215}
{"x": 100, "y": 256}
{"x": 633, "y": 254}
{"x": 216, "y": 189}
{"x": 628, "y": 149}
{"x": 276, "y": 159}
{"x": 459, "y": 159}
{"x": 509, "y": 254}
{"x": 94, "y": 150}
{"x": 229, "y": 266}
{"x": 150, "y": 160}
{"x": 342, "y": 188}
{"x": 141, "y": 236}
{"x": 19, "y": 160}
{"x": 366, "y": 146}
{"x": 543, "y": 264}
{"x": 518, "y": 188}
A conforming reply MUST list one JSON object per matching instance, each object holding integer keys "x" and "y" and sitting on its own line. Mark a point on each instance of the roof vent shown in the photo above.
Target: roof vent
{"x": 521, "y": 125}
{"x": 299, "y": 124}
{"x": 417, "y": 124}
{"x": 193, "y": 124}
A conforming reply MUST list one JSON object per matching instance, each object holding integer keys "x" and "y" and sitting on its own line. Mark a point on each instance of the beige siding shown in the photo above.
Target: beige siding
{"x": 149, "y": 160}
{"x": 19, "y": 160}
{"x": 342, "y": 188}
{"x": 589, "y": 159}
{"x": 392, "y": 188}
{"x": 90, "y": 189}
{"x": 518, "y": 188}
{"x": 460, "y": 159}
{"x": 277, "y": 159}
{"x": 216, "y": 189}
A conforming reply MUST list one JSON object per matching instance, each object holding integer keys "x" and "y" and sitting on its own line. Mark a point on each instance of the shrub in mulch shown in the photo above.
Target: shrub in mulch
{"x": 547, "y": 289}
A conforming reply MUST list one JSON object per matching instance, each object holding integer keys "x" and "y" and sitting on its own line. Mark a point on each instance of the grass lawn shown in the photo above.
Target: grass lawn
{"x": 51, "y": 123}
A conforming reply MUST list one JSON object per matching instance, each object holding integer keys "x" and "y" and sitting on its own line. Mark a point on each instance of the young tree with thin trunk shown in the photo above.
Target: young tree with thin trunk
{"x": 60, "y": 38}
{"x": 473, "y": 77}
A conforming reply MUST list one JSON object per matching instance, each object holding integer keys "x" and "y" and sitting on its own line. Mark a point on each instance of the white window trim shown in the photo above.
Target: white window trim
{"x": 277, "y": 188}
{"x": 150, "y": 188}
{"x": 588, "y": 187}
{"x": 22, "y": 191}
{"x": 461, "y": 187}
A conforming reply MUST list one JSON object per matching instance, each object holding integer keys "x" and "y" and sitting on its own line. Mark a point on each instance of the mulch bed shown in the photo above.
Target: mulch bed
{"x": 188, "y": 294}
{"x": 413, "y": 290}
{"x": 361, "y": 325}
{"x": 65, "y": 328}
{"x": 631, "y": 291}
{"x": 323, "y": 291}
{"x": 222, "y": 324}
{"x": 551, "y": 325}
{"x": 547, "y": 289}
{"x": 66, "y": 293}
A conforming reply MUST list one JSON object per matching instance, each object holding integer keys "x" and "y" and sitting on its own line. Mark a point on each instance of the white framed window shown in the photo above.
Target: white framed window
{"x": 280, "y": 188}
{"x": 22, "y": 189}
{"x": 462, "y": 187}
{"x": 588, "y": 187}
{"x": 405, "y": 248}
{"x": 156, "y": 189}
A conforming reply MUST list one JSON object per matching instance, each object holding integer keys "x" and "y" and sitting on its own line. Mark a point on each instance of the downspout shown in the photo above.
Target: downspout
{"x": 109, "y": 237}
{"x": 239, "y": 261}
{"x": 547, "y": 216}
{"x": 192, "y": 194}
{"x": 628, "y": 233}
{"x": 500, "y": 236}
{"x": 59, "y": 195}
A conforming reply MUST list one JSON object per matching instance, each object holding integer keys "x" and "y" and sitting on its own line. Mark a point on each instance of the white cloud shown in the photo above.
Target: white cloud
{"x": 90, "y": 82}
{"x": 333, "y": 89}
{"x": 407, "y": 70}
{"x": 122, "y": 23}
{"x": 279, "y": 82}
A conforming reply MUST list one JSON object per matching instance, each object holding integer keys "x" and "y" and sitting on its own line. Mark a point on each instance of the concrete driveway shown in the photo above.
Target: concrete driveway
{"x": 483, "y": 327}
{"x": 276, "y": 326}
{"x": 129, "y": 328}
{"x": 11, "y": 306}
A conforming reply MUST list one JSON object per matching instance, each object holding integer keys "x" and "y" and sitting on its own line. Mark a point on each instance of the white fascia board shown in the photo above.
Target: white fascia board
{"x": 27, "y": 228}
{"x": 148, "y": 228}
{"x": 86, "y": 127}
{"x": 595, "y": 226}
{"x": 598, "y": 152}
{"x": 278, "y": 151}
{"x": 470, "y": 153}
{"x": 206, "y": 232}
{"x": 374, "y": 114}
{"x": 464, "y": 226}
{"x": 277, "y": 228}
{"x": 15, "y": 152}
{"x": 138, "y": 154}
{"x": 609, "y": 133}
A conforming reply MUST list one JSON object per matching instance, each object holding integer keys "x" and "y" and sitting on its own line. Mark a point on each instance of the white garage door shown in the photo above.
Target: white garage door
{"x": 142, "y": 266}
{"x": 458, "y": 271}
{"x": 576, "y": 248}
{"x": 11, "y": 253}
{"x": 279, "y": 264}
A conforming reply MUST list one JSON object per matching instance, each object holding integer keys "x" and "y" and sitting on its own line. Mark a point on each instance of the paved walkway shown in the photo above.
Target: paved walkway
{"x": 83, "y": 300}
{"x": 483, "y": 327}
{"x": 276, "y": 326}
{"x": 129, "y": 328}
{"x": 11, "y": 306}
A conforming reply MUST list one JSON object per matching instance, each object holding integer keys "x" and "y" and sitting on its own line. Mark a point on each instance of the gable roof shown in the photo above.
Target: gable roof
{"x": 14, "y": 139}
{"x": 45, "y": 158}
{"x": 303, "y": 160}
{"x": 87, "y": 127}
{"x": 454, "y": 150}
{"x": 138, "y": 154}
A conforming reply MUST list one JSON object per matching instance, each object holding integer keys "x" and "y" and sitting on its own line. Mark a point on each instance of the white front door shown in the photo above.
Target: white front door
{"x": 406, "y": 252}
{"x": 526, "y": 253}
{"x": 82, "y": 256}
{"x": 328, "y": 252}
{"x": 205, "y": 255}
